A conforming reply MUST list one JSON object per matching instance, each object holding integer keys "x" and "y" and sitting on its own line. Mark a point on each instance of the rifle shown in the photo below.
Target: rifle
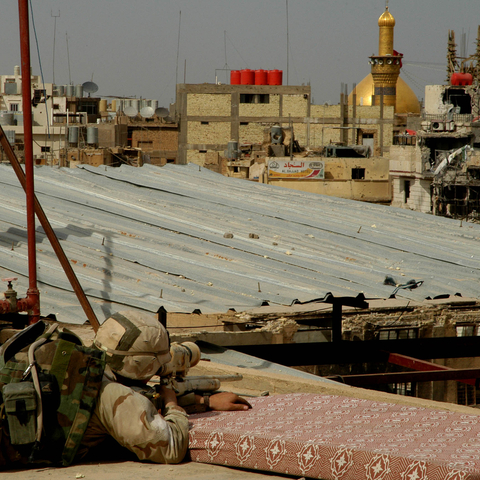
{"x": 174, "y": 375}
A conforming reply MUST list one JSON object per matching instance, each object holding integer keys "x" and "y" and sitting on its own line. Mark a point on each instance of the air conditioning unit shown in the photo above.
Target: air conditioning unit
{"x": 438, "y": 126}
{"x": 450, "y": 126}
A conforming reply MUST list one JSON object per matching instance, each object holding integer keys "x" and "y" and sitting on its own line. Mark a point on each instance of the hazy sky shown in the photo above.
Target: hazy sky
{"x": 130, "y": 48}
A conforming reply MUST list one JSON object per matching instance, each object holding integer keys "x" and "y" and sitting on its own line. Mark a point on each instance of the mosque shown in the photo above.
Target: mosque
{"x": 384, "y": 78}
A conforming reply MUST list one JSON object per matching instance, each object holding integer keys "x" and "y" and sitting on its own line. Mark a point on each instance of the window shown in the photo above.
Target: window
{"x": 358, "y": 174}
{"x": 202, "y": 151}
{"x": 89, "y": 107}
{"x": 45, "y": 149}
{"x": 466, "y": 394}
{"x": 14, "y": 107}
{"x": 243, "y": 123}
{"x": 204, "y": 123}
{"x": 38, "y": 97}
{"x": 406, "y": 389}
{"x": 398, "y": 333}
{"x": 254, "y": 98}
{"x": 406, "y": 190}
{"x": 466, "y": 330}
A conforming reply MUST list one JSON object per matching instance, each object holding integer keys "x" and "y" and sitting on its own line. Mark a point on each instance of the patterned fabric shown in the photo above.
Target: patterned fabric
{"x": 132, "y": 420}
{"x": 340, "y": 438}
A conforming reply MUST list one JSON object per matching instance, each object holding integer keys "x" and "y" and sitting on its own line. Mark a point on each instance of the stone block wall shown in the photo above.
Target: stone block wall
{"x": 252, "y": 132}
{"x": 295, "y": 105}
{"x": 204, "y": 104}
{"x": 209, "y": 133}
{"x": 271, "y": 109}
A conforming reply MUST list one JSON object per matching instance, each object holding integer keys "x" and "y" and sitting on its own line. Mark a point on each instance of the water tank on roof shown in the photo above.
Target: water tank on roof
{"x": 10, "y": 88}
{"x": 10, "y": 134}
{"x": 235, "y": 77}
{"x": 261, "y": 77}
{"x": 6, "y": 118}
{"x": 102, "y": 106}
{"x": 79, "y": 91}
{"x": 70, "y": 90}
{"x": 61, "y": 90}
{"x": 232, "y": 150}
{"x": 275, "y": 77}
{"x": 136, "y": 104}
{"x": 73, "y": 135}
{"x": 247, "y": 77}
{"x": 16, "y": 70}
{"x": 461, "y": 79}
{"x": 92, "y": 136}
{"x": 276, "y": 134}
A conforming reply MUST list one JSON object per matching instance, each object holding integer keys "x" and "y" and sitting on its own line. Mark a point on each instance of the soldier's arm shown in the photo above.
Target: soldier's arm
{"x": 132, "y": 420}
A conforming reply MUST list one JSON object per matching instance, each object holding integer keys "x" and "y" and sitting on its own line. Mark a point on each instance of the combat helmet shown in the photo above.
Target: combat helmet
{"x": 136, "y": 344}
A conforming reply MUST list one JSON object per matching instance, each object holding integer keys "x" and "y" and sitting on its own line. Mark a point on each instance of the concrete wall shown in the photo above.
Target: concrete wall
{"x": 434, "y": 99}
{"x": 338, "y": 182}
{"x": 207, "y": 105}
{"x": 211, "y": 133}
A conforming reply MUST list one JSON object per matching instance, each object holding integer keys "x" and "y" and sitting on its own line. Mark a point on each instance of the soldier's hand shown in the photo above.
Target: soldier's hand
{"x": 226, "y": 401}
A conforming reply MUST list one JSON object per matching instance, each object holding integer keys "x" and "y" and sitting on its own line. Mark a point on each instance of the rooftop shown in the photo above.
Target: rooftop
{"x": 188, "y": 239}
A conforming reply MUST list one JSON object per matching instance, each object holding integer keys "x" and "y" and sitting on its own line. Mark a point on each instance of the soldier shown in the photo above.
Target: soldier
{"x": 136, "y": 346}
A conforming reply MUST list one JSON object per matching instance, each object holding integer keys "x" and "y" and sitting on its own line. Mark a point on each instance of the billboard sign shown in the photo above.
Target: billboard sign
{"x": 296, "y": 168}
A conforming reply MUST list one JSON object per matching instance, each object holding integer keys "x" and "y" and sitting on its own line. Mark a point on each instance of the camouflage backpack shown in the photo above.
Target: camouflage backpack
{"x": 49, "y": 382}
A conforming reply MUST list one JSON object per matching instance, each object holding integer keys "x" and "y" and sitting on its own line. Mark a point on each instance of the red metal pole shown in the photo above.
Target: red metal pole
{"x": 33, "y": 296}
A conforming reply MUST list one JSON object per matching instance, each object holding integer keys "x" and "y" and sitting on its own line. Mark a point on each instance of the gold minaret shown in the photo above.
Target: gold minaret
{"x": 385, "y": 66}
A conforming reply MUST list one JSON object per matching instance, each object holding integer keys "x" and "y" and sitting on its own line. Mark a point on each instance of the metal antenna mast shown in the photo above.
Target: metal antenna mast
{"x": 287, "y": 40}
{"x": 54, "y": 35}
{"x": 68, "y": 59}
{"x": 178, "y": 47}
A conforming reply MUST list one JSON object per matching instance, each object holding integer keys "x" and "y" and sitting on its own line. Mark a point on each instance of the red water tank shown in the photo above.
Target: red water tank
{"x": 461, "y": 79}
{"x": 247, "y": 77}
{"x": 275, "y": 77}
{"x": 261, "y": 77}
{"x": 235, "y": 77}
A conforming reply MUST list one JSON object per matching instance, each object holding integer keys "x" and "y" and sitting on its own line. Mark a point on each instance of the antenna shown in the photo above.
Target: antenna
{"x": 68, "y": 58}
{"x": 225, "y": 47}
{"x": 54, "y": 34}
{"x": 130, "y": 111}
{"x": 161, "y": 112}
{"x": 90, "y": 87}
{"x": 178, "y": 49}
{"x": 147, "y": 112}
{"x": 287, "y": 40}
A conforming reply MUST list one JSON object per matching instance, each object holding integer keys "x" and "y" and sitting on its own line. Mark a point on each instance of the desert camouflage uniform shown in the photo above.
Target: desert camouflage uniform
{"x": 132, "y": 420}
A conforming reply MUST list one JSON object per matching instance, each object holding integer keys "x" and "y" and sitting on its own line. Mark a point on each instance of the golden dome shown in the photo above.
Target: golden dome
{"x": 386, "y": 19}
{"x": 406, "y": 100}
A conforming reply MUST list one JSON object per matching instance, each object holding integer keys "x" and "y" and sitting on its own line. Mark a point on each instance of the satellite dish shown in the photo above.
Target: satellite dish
{"x": 147, "y": 112}
{"x": 130, "y": 111}
{"x": 90, "y": 87}
{"x": 162, "y": 112}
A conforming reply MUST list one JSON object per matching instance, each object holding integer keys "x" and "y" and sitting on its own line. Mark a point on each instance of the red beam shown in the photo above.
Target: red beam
{"x": 465, "y": 375}
{"x": 423, "y": 365}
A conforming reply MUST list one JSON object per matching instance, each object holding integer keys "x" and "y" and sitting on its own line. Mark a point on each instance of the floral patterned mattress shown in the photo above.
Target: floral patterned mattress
{"x": 340, "y": 438}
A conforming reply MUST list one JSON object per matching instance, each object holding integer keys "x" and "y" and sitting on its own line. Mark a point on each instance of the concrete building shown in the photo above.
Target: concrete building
{"x": 438, "y": 171}
{"x": 55, "y": 109}
{"x": 213, "y": 116}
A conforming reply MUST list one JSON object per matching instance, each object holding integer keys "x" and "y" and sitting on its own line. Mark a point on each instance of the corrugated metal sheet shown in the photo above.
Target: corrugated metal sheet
{"x": 147, "y": 237}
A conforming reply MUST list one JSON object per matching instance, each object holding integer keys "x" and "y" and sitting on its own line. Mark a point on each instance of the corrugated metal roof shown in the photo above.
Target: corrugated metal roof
{"x": 147, "y": 237}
